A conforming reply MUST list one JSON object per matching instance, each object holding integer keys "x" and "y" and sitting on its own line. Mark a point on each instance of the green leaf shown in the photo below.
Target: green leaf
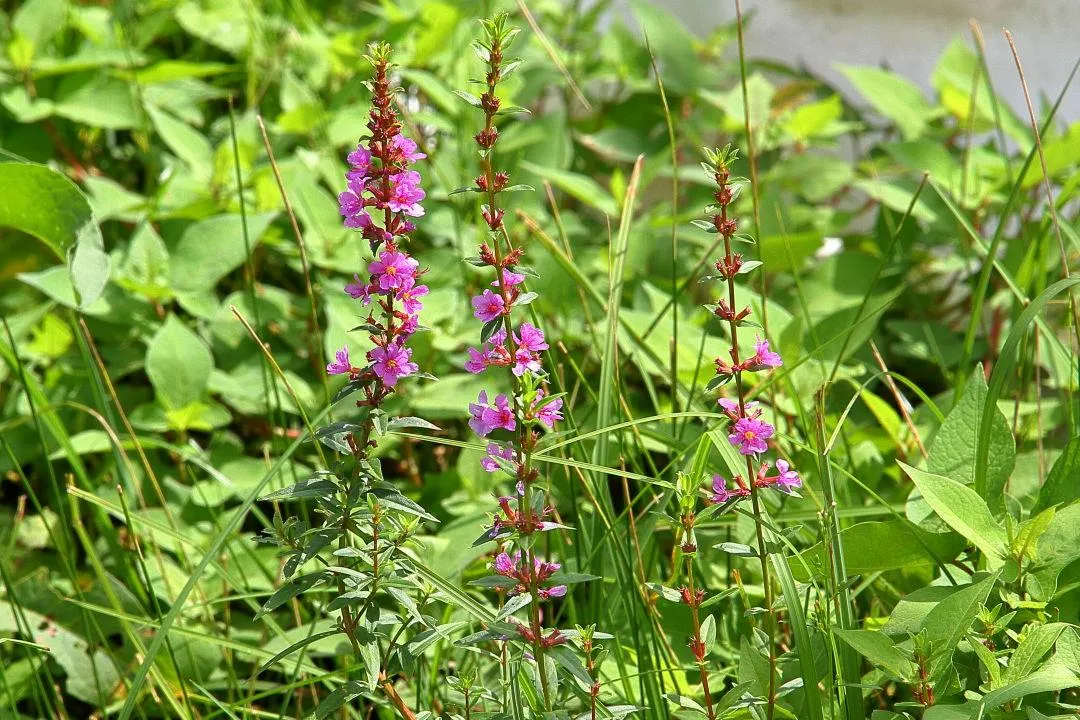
{"x": 514, "y": 604}
{"x": 210, "y": 249}
{"x": 1058, "y": 547}
{"x": 43, "y": 203}
{"x": 581, "y": 187}
{"x": 871, "y": 547}
{"x": 950, "y": 620}
{"x": 1061, "y": 486}
{"x": 178, "y": 364}
{"x": 312, "y": 487}
{"x": 673, "y": 44}
{"x": 187, "y": 143}
{"x": 410, "y": 422}
{"x": 1036, "y": 641}
{"x": 333, "y": 702}
{"x": 897, "y": 98}
{"x": 963, "y": 510}
{"x": 952, "y": 452}
{"x": 879, "y": 649}
{"x": 1051, "y": 677}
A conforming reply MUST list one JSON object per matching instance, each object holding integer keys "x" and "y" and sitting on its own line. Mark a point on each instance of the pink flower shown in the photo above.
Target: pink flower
{"x": 486, "y": 418}
{"x": 788, "y": 479}
{"x": 410, "y": 299}
{"x": 477, "y": 361}
{"x": 405, "y": 193}
{"x": 763, "y": 357}
{"x": 501, "y": 415}
{"x": 358, "y": 290}
{"x": 749, "y": 435}
{"x": 509, "y": 279}
{"x": 487, "y": 306}
{"x": 360, "y": 159}
{"x": 531, "y": 338}
{"x": 551, "y": 592}
{"x": 731, "y": 407}
{"x": 495, "y": 450}
{"x": 351, "y": 205}
{"x": 391, "y": 363}
{"x": 393, "y": 270}
{"x": 341, "y": 365}
{"x": 525, "y": 361}
{"x": 407, "y": 148}
{"x": 476, "y": 409}
{"x": 504, "y": 565}
{"x": 550, "y": 413}
{"x": 720, "y": 492}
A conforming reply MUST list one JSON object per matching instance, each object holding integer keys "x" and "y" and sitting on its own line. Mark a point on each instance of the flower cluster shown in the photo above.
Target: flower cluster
{"x": 382, "y": 193}
{"x": 529, "y": 408}
{"x": 748, "y": 433}
{"x": 511, "y": 567}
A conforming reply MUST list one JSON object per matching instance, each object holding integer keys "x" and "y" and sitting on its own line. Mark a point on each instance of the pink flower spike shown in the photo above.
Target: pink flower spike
{"x": 391, "y": 363}
{"x": 788, "y": 479}
{"x": 487, "y": 306}
{"x": 749, "y": 435}
{"x": 503, "y": 564}
{"x": 341, "y": 365}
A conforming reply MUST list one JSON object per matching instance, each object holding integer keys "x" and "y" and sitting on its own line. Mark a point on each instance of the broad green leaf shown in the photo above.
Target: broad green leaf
{"x": 39, "y": 20}
{"x": 673, "y": 45}
{"x": 895, "y": 97}
{"x": 1058, "y": 547}
{"x": 1061, "y": 486}
{"x": 1052, "y": 676}
{"x": 871, "y": 547}
{"x": 210, "y": 249}
{"x": 43, "y": 203}
{"x": 963, "y": 510}
{"x": 950, "y": 621}
{"x": 187, "y": 143}
{"x": 98, "y": 100}
{"x": 1035, "y": 643}
{"x": 581, "y": 187}
{"x": 879, "y": 649}
{"x": 952, "y": 451}
{"x": 178, "y": 364}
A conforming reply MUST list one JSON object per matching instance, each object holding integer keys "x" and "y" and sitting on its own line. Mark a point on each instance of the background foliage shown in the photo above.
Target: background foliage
{"x": 145, "y": 244}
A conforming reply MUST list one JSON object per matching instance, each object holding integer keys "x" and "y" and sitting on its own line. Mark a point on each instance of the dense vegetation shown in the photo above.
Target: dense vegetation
{"x": 209, "y": 510}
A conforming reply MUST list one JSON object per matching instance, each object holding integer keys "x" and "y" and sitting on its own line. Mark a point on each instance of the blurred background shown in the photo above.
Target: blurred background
{"x": 907, "y": 36}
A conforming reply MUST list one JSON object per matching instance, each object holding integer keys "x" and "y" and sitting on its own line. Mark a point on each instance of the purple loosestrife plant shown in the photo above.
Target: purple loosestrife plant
{"x": 748, "y": 433}
{"x": 512, "y": 423}
{"x": 368, "y": 519}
